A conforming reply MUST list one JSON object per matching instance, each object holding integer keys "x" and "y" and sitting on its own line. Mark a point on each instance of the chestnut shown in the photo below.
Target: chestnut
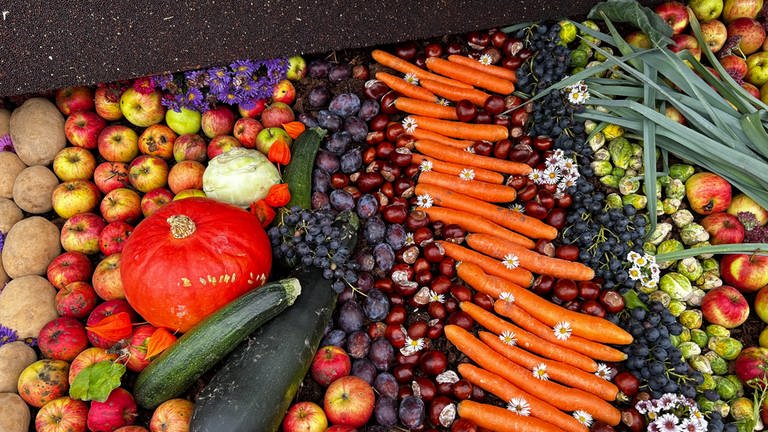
{"x": 403, "y": 373}
{"x": 494, "y": 104}
{"x": 435, "y": 330}
{"x": 557, "y": 217}
{"x": 388, "y": 103}
{"x": 417, "y": 329}
{"x": 433, "y": 252}
{"x": 369, "y": 181}
{"x": 502, "y": 148}
{"x": 406, "y": 50}
{"x": 593, "y": 307}
{"x": 436, "y": 407}
{"x": 612, "y": 300}
{"x": 379, "y": 122}
{"x": 483, "y": 148}
{"x": 483, "y": 117}
{"x": 462, "y": 389}
{"x": 375, "y": 89}
{"x": 567, "y": 252}
{"x": 395, "y": 335}
{"x": 463, "y": 425}
{"x": 417, "y": 219}
{"x": 393, "y": 131}
{"x": 565, "y": 290}
{"x": 447, "y": 267}
{"x": 461, "y": 319}
{"x": 427, "y": 388}
{"x": 466, "y": 111}
{"x": 436, "y": 310}
{"x": 433, "y": 49}
{"x": 535, "y": 210}
{"x": 433, "y": 362}
{"x": 543, "y": 284}
{"x": 461, "y": 293}
{"x": 395, "y": 214}
{"x": 483, "y": 300}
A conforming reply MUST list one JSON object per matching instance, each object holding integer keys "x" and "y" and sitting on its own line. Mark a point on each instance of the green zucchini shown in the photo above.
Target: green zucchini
{"x": 298, "y": 173}
{"x": 257, "y": 382}
{"x": 198, "y": 350}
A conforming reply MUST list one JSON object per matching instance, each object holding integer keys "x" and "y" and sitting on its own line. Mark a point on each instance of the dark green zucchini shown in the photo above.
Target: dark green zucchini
{"x": 198, "y": 350}
{"x": 298, "y": 173}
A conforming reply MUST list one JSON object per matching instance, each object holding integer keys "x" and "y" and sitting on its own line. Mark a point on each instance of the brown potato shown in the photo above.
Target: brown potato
{"x": 12, "y": 166}
{"x": 3, "y": 276}
{"x": 37, "y": 131}
{"x": 14, "y": 357}
{"x": 30, "y": 246}
{"x": 10, "y": 213}
{"x": 33, "y": 188}
{"x": 27, "y": 304}
{"x": 5, "y": 119}
{"x": 14, "y": 413}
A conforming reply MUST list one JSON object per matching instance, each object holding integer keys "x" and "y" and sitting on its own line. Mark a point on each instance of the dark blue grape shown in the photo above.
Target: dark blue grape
{"x": 350, "y": 317}
{"x": 319, "y": 97}
{"x": 384, "y": 256}
{"x": 374, "y": 230}
{"x": 338, "y": 142}
{"x": 411, "y": 412}
{"x": 339, "y": 72}
{"x": 308, "y": 119}
{"x": 363, "y": 368}
{"x": 369, "y": 108}
{"x": 376, "y": 305}
{"x": 386, "y": 384}
{"x": 356, "y": 127}
{"x": 367, "y": 206}
{"x": 381, "y": 354}
{"x": 385, "y": 411}
{"x": 345, "y": 105}
{"x": 351, "y": 161}
{"x": 318, "y": 68}
{"x": 396, "y": 236}
{"x": 334, "y": 337}
{"x": 358, "y": 344}
{"x": 327, "y": 161}
{"x": 341, "y": 200}
{"x": 328, "y": 120}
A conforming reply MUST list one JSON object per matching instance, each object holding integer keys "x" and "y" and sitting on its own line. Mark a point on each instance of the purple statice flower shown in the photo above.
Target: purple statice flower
{"x": 6, "y": 144}
{"x": 165, "y": 81}
{"x": 232, "y": 97}
{"x": 243, "y": 67}
{"x": 194, "y": 99}
{"x": 171, "y": 101}
{"x": 32, "y": 342}
{"x": 218, "y": 80}
{"x": 196, "y": 78}
{"x": 7, "y": 335}
{"x": 2, "y": 240}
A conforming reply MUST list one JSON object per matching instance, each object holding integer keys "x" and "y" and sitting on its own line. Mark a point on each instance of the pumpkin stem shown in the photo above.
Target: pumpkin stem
{"x": 181, "y": 226}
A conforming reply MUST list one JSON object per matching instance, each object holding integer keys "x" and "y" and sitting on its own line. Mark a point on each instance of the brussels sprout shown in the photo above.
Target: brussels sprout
{"x": 620, "y": 148}
{"x": 700, "y": 337}
{"x": 743, "y": 410}
{"x": 697, "y": 297}
{"x": 676, "y": 307}
{"x": 681, "y": 171}
{"x": 568, "y": 31}
{"x": 689, "y": 349}
{"x": 690, "y": 267}
{"x": 708, "y": 384}
{"x": 693, "y": 233}
{"x": 739, "y": 385}
{"x": 705, "y": 405}
{"x": 717, "y": 330}
{"x": 618, "y": 172}
{"x": 675, "y": 340}
{"x": 601, "y": 167}
{"x": 597, "y": 142}
{"x": 660, "y": 234}
{"x": 709, "y": 280}
{"x": 726, "y": 388}
{"x": 658, "y": 189}
{"x": 649, "y": 248}
{"x": 708, "y": 406}
{"x": 610, "y": 180}
{"x": 682, "y": 218}
{"x": 710, "y": 264}
{"x": 637, "y": 150}
{"x": 613, "y": 201}
{"x": 691, "y": 318}
{"x": 675, "y": 189}
{"x": 614, "y": 131}
{"x": 726, "y": 347}
{"x": 670, "y": 205}
{"x": 661, "y": 297}
{"x": 599, "y": 56}
{"x": 629, "y": 172}
{"x": 592, "y": 26}
{"x": 700, "y": 363}
{"x": 577, "y": 70}
{"x": 635, "y": 200}
{"x": 600, "y": 74}
{"x": 718, "y": 364}
{"x": 685, "y": 335}
{"x": 722, "y": 407}
{"x": 677, "y": 286}
{"x": 579, "y": 58}
{"x": 700, "y": 245}
{"x": 628, "y": 185}
{"x": 589, "y": 126}
{"x": 663, "y": 180}
{"x": 635, "y": 163}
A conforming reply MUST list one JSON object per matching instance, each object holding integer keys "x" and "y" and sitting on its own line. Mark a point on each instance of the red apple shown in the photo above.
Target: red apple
{"x": 725, "y": 306}
{"x": 341, "y": 428}
{"x": 190, "y": 147}
{"x": 88, "y": 357}
{"x": 305, "y": 417}
{"x": 43, "y": 381}
{"x": 113, "y": 237}
{"x": 349, "y": 400}
{"x": 276, "y": 114}
{"x": 735, "y": 66}
{"x": 107, "y": 103}
{"x": 761, "y": 304}
{"x": 252, "y": 108}
{"x": 173, "y": 415}
{"x": 329, "y": 364}
{"x": 752, "y": 363}
{"x": 186, "y": 175}
{"x": 69, "y": 267}
{"x": 62, "y": 339}
{"x": 142, "y": 110}
{"x": 686, "y": 42}
{"x": 675, "y": 14}
{"x": 708, "y": 193}
{"x": 157, "y": 140}
{"x": 109, "y": 176}
{"x": 148, "y": 172}
{"x": 221, "y": 144}
{"x": 284, "y": 92}
{"x": 674, "y": 114}
{"x": 108, "y": 308}
{"x": 137, "y": 347}
{"x": 154, "y": 199}
{"x": 714, "y": 34}
{"x": 751, "y": 32}
{"x": 748, "y": 273}
{"x": 74, "y": 163}
{"x": 80, "y": 233}
{"x": 121, "y": 204}
{"x": 268, "y": 136}
{"x": 82, "y": 129}
{"x": 76, "y": 300}
{"x": 62, "y": 415}
{"x": 106, "y": 278}
{"x": 638, "y": 39}
{"x": 73, "y": 197}
{"x": 723, "y": 228}
{"x": 118, "y": 143}
{"x": 743, "y": 203}
{"x": 118, "y": 410}
{"x": 751, "y": 89}
{"x": 73, "y": 99}
{"x": 218, "y": 121}
{"x": 131, "y": 428}
{"x": 246, "y": 130}
{"x": 733, "y": 9}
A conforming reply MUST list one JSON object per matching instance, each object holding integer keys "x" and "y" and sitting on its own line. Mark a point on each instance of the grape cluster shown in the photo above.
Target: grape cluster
{"x": 549, "y": 59}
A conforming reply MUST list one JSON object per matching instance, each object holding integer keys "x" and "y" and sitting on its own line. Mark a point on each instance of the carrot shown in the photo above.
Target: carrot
{"x": 456, "y": 129}
{"x": 488, "y": 191}
{"x": 565, "y": 398}
{"x": 451, "y": 154}
{"x": 422, "y": 107}
{"x": 587, "y": 347}
{"x": 474, "y": 223}
{"x": 586, "y": 326}
{"x": 561, "y": 372}
{"x": 518, "y": 276}
{"x": 505, "y": 391}
{"x": 500, "y": 419}
{"x": 405, "y": 88}
{"x": 424, "y": 134}
{"x": 533, "y": 261}
{"x": 455, "y": 169}
{"x": 503, "y": 216}
{"x": 455, "y": 93}
{"x": 528, "y": 340}
{"x": 498, "y": 71}
{"x": 470, "y": 75}
{"x": 400, "y": 65}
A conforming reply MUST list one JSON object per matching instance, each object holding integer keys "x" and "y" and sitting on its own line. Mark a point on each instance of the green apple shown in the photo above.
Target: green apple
{"x": 706, "y": 10}
{"x": 297, "y": 68}
{"x": 269, "y": 136}
{"x": 182, "y": 122}
{"x": 757, "y": 68}
{"x": 638, "y": 39}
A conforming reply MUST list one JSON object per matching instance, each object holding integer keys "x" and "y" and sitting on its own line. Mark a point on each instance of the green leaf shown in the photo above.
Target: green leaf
{"x": 738, "y": 248}
{"x": 649, "y": 152}
{"x": 97, "y": 381}
{"x": 632, "y": 300}
{"x": 755, "y": 132}
{"x": 632, "y": 12}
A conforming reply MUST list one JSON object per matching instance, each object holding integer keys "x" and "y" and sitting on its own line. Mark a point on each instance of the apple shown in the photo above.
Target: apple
{"x": 284, "y": 92}
{"x": 673, "y": 13}
{"x": 72, "y": 197}
{"x": 43, "y": 381}
{"x": 184, "y": 121}
{"x": 82, "y": 129}
{"x": 76, "y": 300}
{"x": 140, "y": 109}
{"x": 137, "y": 347}
{"x": 221, "y": 144}
{"x": 132, "y": 428}
{"x": 189, "y": 193}
{"x": 751, "y": 89}
{"x": 74, "y": 99}
{"x": 341, "y": 428}
{"x": 190, "y": 147}
{"x": 725, "y": 306}
{"x": 748, "y": 273}
{"x": 734, "y": 9}
{"x": 706, "y": 10}
{"x": 154, "y": 199}
{"x": 74, "y": 163}
{"x": 113, "y": 237}
{"x": 751, "y": 31}
{"x": 246, "y": 130}
{"x": 88, "y": 357}
{"x": 276, "y": 114}
{"x": 118, "y": 410}
{"x": 761, "y": 304}
{"x": 714, "y": 34}
{"x": 757, "y": 68}
{"x": 80, "y": 233}
{"x": 743, "y": 203}
{"x": 638, "y": 39}
{"x": 107, "y": 103}
{"x": 252, "y": 108}
{"x": 349, "y": 401}
{"x": 218, "y": 121}
{"x": 118, "y": 143}
{"x": 271, "y": 135}
{"x": 685, "y": 42}
{"x": 186, "y": 175}
{"x": 735, "y": 66}
{"x": 723, "y": 228}
{"x": 148, "y": 172}
{"x": 173, "y": 415}
{"x": 157, "y": 140}
{"x": 106, "y": 279}
{"x": 297, "y": 68}
{"x": 305, "y": 417}
{"x": 103, "y": 310}
{"x": 329, "y": 364}
{"x": 62, "y": 415}
{"x": 121, "y": 204}
{"x": 752, "y": 363}
{"x": 62, "y": 339}
{"x": 674, "y": 114}
{"x": 110, "y": 176}
{"x": 69, "y": 267}
{"x": 708, "y": 193}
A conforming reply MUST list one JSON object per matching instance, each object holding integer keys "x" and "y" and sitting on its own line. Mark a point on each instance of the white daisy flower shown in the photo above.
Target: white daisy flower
{"x": 486, "y": 59}
{"x": 633, "y": 256}
{"x": 443, "y": 101}
{"x": 411, "y": 79}
{"x": 578, "y": 96}
{"x": 655, "y": 270}
{"x": 650, "y": 258}
{"x": 551, "y": 175}
{"x": 412, "y": 346}
{"x": 435, "y": 297}
{"x": 508, "y": 338}
{"x": 409, "y": 239}
{"x": 569, "y": 165}
{"x": 424, "y": 200}
{"x": 511, "y": 261}
{"x": 566, "y": 182}
{"x": 635, "y": 273}
{"x": 470, "y": 149}
{"x": 540, "y": 372}
{"x": 425, "y": 165}
{"x": 604, "y": 371}
{"x": 649, "y": 283}
{"x": 410, "y": 125}
{"x": 641, "y": 261}
{"x": 519, "y": 406}
{"x": 583, "y": 417}
{"x": 517, "y": 207}
{"x": 507, "y": 297}
{"x": 643, "y": 406}
{"x": 563, "y": 330}
{"x": 559, "y": 154}
{"x": 536, "y": 176}
{"x": 467, "y": 174}
{"x": 668, "y": 422}
{"x": 553, "y": 160}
